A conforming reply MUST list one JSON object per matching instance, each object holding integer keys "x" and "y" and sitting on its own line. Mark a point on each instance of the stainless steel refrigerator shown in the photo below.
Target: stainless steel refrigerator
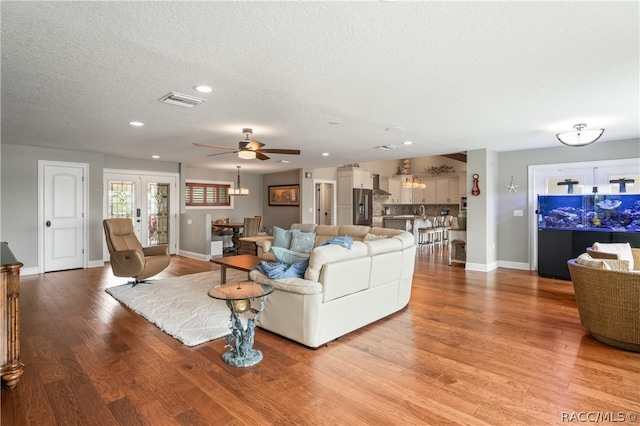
{"x": 362, "y": 207}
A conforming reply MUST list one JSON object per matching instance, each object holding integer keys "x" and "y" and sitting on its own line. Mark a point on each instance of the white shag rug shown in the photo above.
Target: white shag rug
{"x": 180, "y": 306}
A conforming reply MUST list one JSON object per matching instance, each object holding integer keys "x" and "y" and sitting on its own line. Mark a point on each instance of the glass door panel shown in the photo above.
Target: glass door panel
{"x": 158, "y": 213}
{"x": 121, "y": 198}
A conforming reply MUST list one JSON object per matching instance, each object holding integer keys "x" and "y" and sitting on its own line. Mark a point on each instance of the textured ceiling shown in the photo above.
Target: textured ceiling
{"x": 455, "y": 75}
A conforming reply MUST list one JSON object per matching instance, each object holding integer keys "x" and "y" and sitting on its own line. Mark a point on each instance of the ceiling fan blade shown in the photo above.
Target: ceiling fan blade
{"x": 261, "y": 156}
{"x": 204, "y": 145}
{"x": 281, "y": 151}
{"x": 222, "y": 153}
{"x": 254, "y": 145}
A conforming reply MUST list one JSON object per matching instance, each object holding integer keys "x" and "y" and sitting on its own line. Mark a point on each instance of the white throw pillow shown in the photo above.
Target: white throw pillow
{"x": 623, "y": 250}
{"x": 585, "y": 260}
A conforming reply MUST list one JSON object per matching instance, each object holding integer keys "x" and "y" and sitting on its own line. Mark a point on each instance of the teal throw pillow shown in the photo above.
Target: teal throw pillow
{"x": 287, "y": 256}
{"x": 303, "y": 242}
{"x": 281, "y": 237}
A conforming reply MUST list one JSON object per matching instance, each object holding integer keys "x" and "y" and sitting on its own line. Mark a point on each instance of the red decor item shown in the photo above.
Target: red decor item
{"x": 476, "y": 189}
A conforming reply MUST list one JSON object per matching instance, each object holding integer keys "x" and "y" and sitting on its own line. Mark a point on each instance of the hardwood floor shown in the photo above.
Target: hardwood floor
{"x": 497, "y": 348}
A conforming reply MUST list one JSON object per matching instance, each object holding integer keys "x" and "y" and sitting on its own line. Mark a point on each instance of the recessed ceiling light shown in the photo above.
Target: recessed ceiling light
{"x": 155, "y": 156}
{"x": 395, "y": 129}
{"x": 203, "y": 88}
{"x": 407, "y": 143}
{"x": 325, "y": 154}
{"x": 284, "y": 161}
{"x": 136, "y": 123}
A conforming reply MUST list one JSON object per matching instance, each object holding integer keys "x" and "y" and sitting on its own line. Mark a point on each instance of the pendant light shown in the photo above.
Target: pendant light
{"x": 238, "y": 191}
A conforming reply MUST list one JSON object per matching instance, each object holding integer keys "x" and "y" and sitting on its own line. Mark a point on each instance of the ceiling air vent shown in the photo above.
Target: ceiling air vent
{"x": 179, "y": 99}
{"x": 388, "y": 147}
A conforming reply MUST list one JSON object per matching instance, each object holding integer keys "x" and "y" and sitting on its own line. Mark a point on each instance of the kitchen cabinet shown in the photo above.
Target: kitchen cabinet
{"x": 406, "y": 196}
{"x": 424, "y": 195}
{"x": 355, "y": 178}
{"x": 348, "y": 179}
{"x": 462, "y": 184}
{"x": 438, "y": 191}
{"x": 447, "y": 191}
{"x": 362, "y": 179}
{"x": 399, "y": 195}
{"x": 395, "y": 189}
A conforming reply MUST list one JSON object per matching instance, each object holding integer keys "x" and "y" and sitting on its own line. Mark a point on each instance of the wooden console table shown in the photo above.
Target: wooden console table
{"x": 11, "y": 368}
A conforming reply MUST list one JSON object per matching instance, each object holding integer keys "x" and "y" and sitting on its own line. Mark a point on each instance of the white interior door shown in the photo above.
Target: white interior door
{"x": 324, "y": 202}
{"x": 63, "y": 211}
{"x": 149, "y": 200}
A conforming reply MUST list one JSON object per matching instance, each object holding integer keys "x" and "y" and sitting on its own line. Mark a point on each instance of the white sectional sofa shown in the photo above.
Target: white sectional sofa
{"x": 342, "y": 290}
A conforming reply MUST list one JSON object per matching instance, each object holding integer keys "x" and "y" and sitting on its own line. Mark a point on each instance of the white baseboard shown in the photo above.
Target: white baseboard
{"x": 194, "y": 255}
{"x": 96, "y": 263}
{"x": 487, "y": 267}
{"x": 481, "y": 267}
{"x": 513, "y": 265}
{"x": 29, "y": 271}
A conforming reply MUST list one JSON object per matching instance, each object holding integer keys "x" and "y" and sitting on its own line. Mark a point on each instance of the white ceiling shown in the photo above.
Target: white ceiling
{"x": 455, "y": 75}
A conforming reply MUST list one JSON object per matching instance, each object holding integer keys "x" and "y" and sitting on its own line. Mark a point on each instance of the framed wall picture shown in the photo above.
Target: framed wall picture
{"x": 284, "y": 195}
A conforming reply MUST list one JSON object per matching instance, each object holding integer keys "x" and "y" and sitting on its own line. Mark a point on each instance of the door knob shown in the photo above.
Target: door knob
{"x": 47, "y": 224}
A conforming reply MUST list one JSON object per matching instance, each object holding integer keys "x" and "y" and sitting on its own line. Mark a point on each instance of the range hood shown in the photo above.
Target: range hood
{"x": 376, "y": 186}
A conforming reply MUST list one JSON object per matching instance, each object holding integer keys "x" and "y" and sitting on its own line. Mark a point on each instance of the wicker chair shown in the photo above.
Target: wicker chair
{"x": 609, "y": 301}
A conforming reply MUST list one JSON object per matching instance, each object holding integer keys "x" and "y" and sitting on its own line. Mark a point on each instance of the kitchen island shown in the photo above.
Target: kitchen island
{"x": 409, "y": 223}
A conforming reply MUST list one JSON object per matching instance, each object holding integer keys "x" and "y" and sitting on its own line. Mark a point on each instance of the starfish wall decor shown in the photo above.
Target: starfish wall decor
{"x": 511, "y": 186}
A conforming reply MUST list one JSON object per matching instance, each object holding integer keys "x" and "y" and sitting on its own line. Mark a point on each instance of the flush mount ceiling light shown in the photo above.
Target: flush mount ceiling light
{"x": 581, "y": 136}
{"x": 238, "y": 191}
{"x": 136, "y": 123}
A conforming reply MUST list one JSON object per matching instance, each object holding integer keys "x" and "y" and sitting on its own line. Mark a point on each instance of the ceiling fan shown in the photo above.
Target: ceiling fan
{"x": 249, "y": 149}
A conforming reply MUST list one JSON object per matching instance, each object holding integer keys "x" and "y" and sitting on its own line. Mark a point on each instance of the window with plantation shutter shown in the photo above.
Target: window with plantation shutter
{"x": 201, "y": 194}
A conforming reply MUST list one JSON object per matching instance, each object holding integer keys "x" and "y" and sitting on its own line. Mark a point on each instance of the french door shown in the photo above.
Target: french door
{"x": 149, "y": 200}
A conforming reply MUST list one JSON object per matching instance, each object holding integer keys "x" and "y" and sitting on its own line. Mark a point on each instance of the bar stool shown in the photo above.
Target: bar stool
{"x": 437, "y": 230}
{"x": 447, "y": 223}
{"x": 426, "y": 236}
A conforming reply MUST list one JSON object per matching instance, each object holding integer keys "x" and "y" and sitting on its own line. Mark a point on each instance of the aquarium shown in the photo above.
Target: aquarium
{"x": 597, "y": 212}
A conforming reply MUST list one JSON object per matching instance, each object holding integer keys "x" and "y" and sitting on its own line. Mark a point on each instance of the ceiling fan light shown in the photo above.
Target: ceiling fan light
{"x": 581, "y": 136}
{"x": 247, "y": 155}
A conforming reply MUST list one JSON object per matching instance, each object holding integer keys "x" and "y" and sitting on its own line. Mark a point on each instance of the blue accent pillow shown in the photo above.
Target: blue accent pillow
{"x": 287, "y": 256}
{"x": 303, "y": 242}
{"x": 281, "y": 237}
